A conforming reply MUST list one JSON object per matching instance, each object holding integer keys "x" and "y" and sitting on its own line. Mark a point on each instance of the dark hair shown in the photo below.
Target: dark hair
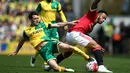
{"x": 31, "y": 14}
{"x": 102, "y": 11}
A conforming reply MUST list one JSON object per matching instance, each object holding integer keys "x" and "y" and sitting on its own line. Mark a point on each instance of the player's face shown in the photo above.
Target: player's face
{"x": 102, "y": 18}
{"x": 35, "y": 19}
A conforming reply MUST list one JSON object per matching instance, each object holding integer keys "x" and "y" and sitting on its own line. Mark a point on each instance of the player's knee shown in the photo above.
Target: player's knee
{"x": 65, "y": 46}
{"x": 97, "y": 48}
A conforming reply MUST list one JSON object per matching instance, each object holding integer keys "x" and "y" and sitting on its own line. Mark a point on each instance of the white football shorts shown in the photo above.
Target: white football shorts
{"x": 77, "y": 38}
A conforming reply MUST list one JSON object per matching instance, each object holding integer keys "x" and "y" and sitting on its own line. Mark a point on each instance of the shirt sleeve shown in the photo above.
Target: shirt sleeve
{"x": 25, "y": 36}
{"x": 60, "y": 11}
{"x": 38, "y": 9}
{"x": 59, "y": 7}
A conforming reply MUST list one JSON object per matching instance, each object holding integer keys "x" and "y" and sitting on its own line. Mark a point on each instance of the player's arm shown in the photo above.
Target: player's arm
{"x": 61, "y": 24}
{"x": 62, "y": 15}
{"x": 20, "y": 44}
{"x": 95, "y": 4}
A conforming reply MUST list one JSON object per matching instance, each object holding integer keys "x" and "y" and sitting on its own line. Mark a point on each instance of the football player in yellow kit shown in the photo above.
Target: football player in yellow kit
{"x": 47, "y": 10}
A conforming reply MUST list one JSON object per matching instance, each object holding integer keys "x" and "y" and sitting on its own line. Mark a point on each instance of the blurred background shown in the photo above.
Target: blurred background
{"x": 113, "y": 34}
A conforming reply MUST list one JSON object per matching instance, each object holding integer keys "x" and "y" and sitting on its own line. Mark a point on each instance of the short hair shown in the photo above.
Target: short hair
{"x": 102, "y": 11}
{"x": 31, "y": 14}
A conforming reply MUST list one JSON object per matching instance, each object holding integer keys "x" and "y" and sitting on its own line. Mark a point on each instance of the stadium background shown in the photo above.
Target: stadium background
{"x": 114, "y": 35}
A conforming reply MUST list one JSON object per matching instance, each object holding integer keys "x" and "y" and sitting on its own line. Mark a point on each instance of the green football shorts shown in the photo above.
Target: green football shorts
{"x": 48, "y": 50}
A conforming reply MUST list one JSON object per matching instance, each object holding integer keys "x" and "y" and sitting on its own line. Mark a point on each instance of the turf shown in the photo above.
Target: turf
{"x": 20, "y": 64}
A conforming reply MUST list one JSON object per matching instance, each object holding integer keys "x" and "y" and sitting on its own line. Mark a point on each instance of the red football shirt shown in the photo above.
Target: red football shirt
{"x": 85, "y": 24}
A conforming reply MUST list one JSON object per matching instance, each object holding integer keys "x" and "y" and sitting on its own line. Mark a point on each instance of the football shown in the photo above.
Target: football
{"x": 92, "y": 66}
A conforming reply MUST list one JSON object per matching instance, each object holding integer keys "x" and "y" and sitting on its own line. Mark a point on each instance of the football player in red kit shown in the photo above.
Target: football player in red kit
{"x": 76, "y": 35}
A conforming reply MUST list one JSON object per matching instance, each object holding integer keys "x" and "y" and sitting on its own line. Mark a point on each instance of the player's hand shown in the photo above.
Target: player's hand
{"x": 74, "y": 22}
{"x": 66, "y": 28}
{"x": 13, "y": 54}
{"x": 102, "y": 49}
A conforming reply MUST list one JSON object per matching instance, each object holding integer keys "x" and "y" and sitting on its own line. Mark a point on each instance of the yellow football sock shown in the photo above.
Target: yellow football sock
{"x": 80, "y": 52}
{"x": 45, "y": 63}
{"x": 61, "y": 69}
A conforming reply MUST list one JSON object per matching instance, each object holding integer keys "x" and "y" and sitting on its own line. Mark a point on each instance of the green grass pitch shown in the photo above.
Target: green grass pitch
{"x": 20, "y": 64}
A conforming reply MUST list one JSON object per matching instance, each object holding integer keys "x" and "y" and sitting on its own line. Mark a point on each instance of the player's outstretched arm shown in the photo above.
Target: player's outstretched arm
{"x": 61, "y": 24}
{"x": 95, "y": 4}
{"x": 20, "y": 44}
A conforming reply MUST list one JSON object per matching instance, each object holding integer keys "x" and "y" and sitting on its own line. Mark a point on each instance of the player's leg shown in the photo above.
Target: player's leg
{"x": 55, "y": 36}
{"x": 56, "y": 67}
{"x": 80, "y": 39}
{"x": 60, "y": 57}
{"x": 63, "y": 56}
{"x": 33, "y": 59}
{"x": 65, "y": 48}
{"x": 98, "y": 51}
{"x": 48, "y": 54}
{"x": 86, "y": 41}
{"x": 74, "y": 38}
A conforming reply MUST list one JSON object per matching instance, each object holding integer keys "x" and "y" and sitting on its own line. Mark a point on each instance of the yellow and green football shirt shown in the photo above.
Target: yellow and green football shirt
{"x": 48, "y": 11}
{"x": 36, "y": 34}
